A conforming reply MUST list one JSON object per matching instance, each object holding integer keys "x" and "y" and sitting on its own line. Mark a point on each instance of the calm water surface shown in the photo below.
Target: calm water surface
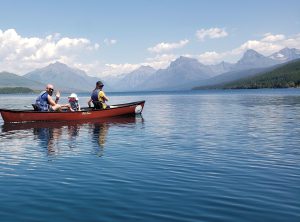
{"x": 191, "y": 156}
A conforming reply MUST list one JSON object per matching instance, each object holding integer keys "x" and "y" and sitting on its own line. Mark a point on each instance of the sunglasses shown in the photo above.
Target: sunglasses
{"x": 51, "y": 89}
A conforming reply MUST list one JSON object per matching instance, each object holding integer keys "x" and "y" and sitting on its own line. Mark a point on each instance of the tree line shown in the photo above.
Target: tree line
{"x": 12, "y": 90}
{"x": 286, "y": 76}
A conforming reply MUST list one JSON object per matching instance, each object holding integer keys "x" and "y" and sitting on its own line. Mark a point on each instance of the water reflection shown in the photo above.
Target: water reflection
{"x": 49, "y": 138}
{"x": 100, "y": 131}
{"x": 59, "y": 137}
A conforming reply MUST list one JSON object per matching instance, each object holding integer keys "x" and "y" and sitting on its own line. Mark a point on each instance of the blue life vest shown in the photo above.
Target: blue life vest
{"x": 95, "y": 99}
{"x": 95, "y": 94}
{"x": 42, "y": 101}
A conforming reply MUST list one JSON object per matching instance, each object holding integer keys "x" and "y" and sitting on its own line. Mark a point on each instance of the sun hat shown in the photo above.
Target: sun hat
{"x": 73, "y": 95}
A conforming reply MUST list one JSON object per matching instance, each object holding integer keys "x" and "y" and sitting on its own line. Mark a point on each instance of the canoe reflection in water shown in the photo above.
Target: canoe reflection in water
{"x": 62, "y": 137}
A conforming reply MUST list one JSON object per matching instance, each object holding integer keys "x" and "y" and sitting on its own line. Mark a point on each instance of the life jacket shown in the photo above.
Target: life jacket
{"x": 42, "y": 102}
{"x": 95, "y": 94}
{"x": 74, "y": 105}
{"x": 98, "y": 104}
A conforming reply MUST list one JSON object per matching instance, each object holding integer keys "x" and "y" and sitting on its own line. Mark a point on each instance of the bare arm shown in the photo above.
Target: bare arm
{"x": 57, "y": 96}
{"x": 90, "y": 102}
{"x": 51, "y": 101}
{"x": 105, "y": 98}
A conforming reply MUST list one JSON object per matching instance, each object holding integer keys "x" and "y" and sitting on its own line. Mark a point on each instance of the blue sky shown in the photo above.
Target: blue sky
{"x": 112, "y": 37}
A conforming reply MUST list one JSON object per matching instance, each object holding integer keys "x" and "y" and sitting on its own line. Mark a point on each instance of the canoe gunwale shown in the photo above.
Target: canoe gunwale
{"x": 84, "y": 109}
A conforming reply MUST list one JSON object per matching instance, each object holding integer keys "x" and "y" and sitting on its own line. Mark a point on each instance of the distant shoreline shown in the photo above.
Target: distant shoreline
{"x": 24, "y": 90}
{"x": 16, "y": 90}
{"x": 241, "y": 88}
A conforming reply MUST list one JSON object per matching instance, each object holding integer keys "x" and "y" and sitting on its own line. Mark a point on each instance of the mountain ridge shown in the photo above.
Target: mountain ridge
{"x": 281, "y": 76}
{"x": 183, "y": 73}
{"x": 63, "y": 77}
{"x": 8, "y": 79}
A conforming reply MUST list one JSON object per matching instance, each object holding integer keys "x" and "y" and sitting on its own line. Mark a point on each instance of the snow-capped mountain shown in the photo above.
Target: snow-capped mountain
{"x": 286, "y": 55}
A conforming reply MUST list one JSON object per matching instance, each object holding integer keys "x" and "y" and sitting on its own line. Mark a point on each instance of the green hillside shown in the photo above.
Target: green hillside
{"x": 9, "y": 90}
{"x": 12, "y": 80}
{"x": 285, "y": 76}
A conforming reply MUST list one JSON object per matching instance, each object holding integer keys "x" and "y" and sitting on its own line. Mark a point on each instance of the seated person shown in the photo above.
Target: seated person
{"x": 98, "y": 97}
{"x": 73, "y": 101}
{"x": 44, "y": 101}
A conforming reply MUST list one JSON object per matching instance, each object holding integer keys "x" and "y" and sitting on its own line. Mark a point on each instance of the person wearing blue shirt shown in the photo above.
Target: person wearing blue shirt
{"x": 44, "y": 101}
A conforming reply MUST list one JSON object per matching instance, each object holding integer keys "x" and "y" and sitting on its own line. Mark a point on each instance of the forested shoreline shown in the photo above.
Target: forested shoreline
{"x": 15, "y": 90}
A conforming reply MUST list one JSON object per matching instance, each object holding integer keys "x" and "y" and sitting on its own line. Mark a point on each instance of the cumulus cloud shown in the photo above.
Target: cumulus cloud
{"x": 210, "y": 57}
{"x": 160, "y": 61}
{"x": 268, "y": 44}
{"x": 212, "y": 33}
{"x": 163, "y": 46}
{"x": 115, "y": 69}
{"x": 110, "y": 41}
{"x": 21, "y": 54}
{"x": 110, "y": 69}
{"x": 269, "y": 37}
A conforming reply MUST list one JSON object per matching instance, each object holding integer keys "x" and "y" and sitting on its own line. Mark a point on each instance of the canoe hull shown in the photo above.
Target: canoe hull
{"x": 85, "y": 114}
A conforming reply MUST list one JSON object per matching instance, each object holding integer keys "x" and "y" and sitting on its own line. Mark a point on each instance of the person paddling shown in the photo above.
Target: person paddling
{"x": 44, "y": 101}
{"x": 98, "y": 97}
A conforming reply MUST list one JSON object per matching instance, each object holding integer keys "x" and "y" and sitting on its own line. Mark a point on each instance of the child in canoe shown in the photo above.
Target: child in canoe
{"x": 73, "y": 101}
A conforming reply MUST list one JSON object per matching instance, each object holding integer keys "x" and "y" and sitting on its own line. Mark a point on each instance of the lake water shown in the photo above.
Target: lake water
{"x": 191, "y": 156}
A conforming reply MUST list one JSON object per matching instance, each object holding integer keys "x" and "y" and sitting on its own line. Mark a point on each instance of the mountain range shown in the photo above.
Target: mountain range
{"x": 182, "y": 74}
{"x": 185, "y": 73}
{"x": 284, "y": 76}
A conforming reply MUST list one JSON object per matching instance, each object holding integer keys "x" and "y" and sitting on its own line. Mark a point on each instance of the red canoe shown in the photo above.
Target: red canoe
{"x": 133, "y": 108}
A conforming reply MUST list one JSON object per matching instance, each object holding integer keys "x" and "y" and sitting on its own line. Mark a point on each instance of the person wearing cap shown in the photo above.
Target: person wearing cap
{"x": 44, "y": 101}
{"x": 73, "y": 101}
{"x": 98, "y": 97}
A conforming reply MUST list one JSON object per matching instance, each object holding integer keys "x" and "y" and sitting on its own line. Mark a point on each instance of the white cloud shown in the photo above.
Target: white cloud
{"x": 210, "y": 57}
{"x": 110, "y": 69}
{"x": 21, "y": 54}
{"x": 269, "y": 44}
{"x": 163, "y": 46}
{"x": 212, "y": 33}
{"x": 160, "y": 61}
{"x": 269, "y": 37}
{"x": 262, "y": 47}
{"x": 110, "y": 41}
{"x": 115, "y": 69}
